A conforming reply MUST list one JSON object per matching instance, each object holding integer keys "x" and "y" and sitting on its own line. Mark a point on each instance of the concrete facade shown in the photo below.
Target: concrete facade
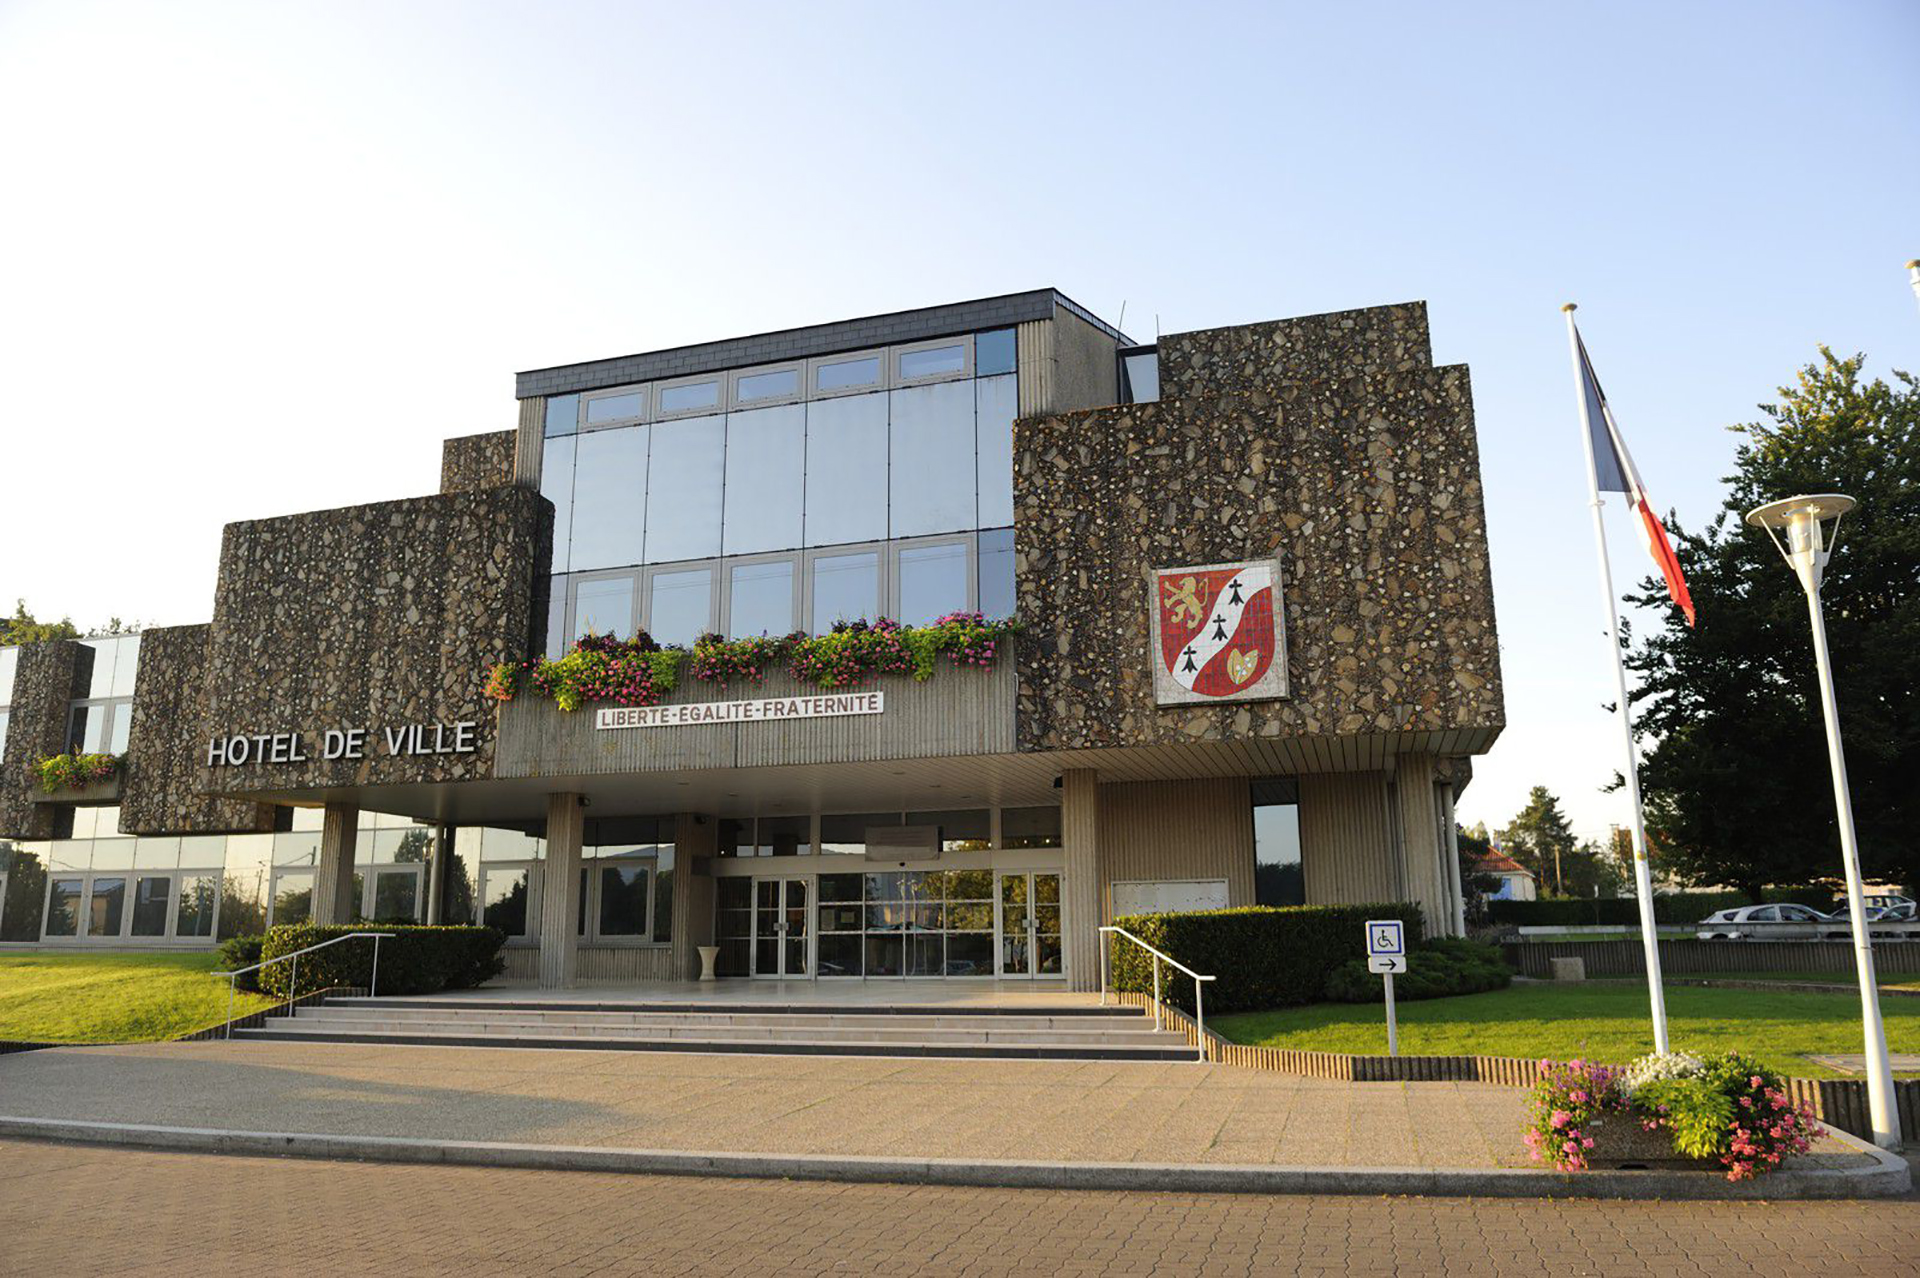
{"x": 46, "y": 678}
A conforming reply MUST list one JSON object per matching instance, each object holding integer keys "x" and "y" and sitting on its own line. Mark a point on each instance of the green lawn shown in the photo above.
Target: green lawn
{"x": 1896, "y": 980}
{"x": 112, "y": 998}
{"x": 1601, "y": 1021}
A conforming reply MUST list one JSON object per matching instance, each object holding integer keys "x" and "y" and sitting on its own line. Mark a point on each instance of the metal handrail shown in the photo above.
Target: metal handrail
{"x": 293, "y": 979}
{"x": 1199, "y": 984}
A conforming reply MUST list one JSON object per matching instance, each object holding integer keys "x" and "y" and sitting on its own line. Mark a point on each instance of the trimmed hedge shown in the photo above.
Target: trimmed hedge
{"x": 1624, "y": 911}
{"x": 1444, "y": 966}
{"x": 1261, "y": 956}
{"x": 237, "y": 952}
{"x": 414, "y": 960}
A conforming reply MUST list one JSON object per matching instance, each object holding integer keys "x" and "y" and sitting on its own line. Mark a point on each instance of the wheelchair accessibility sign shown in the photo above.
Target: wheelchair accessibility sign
{"x": 1386, "y": 945}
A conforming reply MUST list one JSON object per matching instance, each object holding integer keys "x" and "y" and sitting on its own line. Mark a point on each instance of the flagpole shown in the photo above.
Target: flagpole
{"x": 1642, "y": 874}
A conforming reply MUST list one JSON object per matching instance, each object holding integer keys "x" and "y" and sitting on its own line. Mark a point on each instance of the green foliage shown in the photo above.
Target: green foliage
{"x": 1735, "y": 771}
{"x": 1624, "y": 911}
{"x": 639, "y": 672}
{"x": 1471, "y": 845}
{"x": 415, "y": 960}
{"x": 78, "y": 997}
{"x": 237, "y": 952}
{"x": 1261, "y": 956}
{"x": 75, "y": 771}
{"x": 1443, "y": 967}
{"x": 1697, "y": 1114}
{"x": 22, "y": 627}
{"x": 1540, "y": 839}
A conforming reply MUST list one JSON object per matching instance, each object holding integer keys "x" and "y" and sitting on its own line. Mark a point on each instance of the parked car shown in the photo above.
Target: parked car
{"x": 1898, "y": 909}
{"x": 1742, "y": 924}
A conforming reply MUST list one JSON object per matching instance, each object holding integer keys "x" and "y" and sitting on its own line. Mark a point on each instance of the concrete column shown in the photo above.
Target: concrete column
{"x": 437, "y": 873}
{"x": 695, "y": 840}
{"x": 1084, "y": 909}
{"x": 560, "y": 891}
{"x": 1418, "y": 840}
{"x": 333, "y": 900}
{"x": 1450, "y": 856}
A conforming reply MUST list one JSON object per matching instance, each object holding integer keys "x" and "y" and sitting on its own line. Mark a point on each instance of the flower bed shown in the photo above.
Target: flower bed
{"x": 639, "y": 672}
{"x": 76, "y": 771}
{"x": 1727, "y": 1111}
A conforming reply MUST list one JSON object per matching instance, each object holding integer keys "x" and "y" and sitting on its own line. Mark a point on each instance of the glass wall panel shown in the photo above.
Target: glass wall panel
{"x": 603, "y": 606}
{"x": 684, "y": 474}
{"x": 199, "y": 895}
{"x": 156, "y": 853}
{"x": 556, "y": 485}
{"x": 504, "y": 890}
{"x": 845, "y": 588}
{"x": 996, "y": 573}
{"x": 563, "y": 414}
{"x": 113, "y": 854}
{"x": 106, "y": 903}
{"x": 933, "y": 582}
{"x": 245, "y": 884}
{"x": 766, "y": 479}
{"x": 63, "y": 907}
{"x": 1030, "y": 828}
{"x": 396, "y": 895}
{"x": 623, "y": 899}
{"x": 120, "y": 727}
{"x": 609, "y": 498}
{"x": 680, "y": 609}
{"x": 776, "y": 384}
{"x": 994, "y": 352}
{"x": 760, "y": 598}
{"x": 933, "y": 361}
{"x": 932, "y": 464}
{"x": 293, "y": 896}
{"x": 1141, "y": 372}
{"x": 847, "y": 470}
{"x": 848, "y": 832}
{"x": 23, "y": 872}
{"x": 997, "y": 402}
{"x": 842, "y": 374}
{"x": 1277, "y": 878}
{"x": 9, "y": 662}
{"x": 152, "y": 894}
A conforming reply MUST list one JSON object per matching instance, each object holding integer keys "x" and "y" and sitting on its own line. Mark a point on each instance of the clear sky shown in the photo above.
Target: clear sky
{"x": 262, "y": 258}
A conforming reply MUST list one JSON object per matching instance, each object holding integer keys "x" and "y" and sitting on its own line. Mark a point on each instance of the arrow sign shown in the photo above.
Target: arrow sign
{"x": 1386, "y": 963}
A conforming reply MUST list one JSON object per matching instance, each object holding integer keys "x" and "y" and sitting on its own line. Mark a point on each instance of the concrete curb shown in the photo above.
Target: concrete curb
{"x": 1888, "y": 1177}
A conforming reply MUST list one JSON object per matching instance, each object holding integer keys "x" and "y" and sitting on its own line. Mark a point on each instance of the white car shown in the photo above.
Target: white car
{"x": 1749, "y": 921}
{"x": 1895, "y": 909}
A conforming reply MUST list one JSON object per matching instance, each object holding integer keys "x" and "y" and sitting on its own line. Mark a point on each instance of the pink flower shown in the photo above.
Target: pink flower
{"x": 1561, "y": 1118}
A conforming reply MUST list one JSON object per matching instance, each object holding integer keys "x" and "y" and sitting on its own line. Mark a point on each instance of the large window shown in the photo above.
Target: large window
{"x": 934, "y": 580}
{"x": 932, "y": 468}
{"x": 609, "y": 498}
{"x": 1276, "y": 843}
{"x": 760, "y": 597}
{"x": 680, "y": 604}
{"x": 906, "y": 923}
{"x": 846, "y": 483}
{"x": 845, "y": 588}
{"x": 684, "y": 479}
{"x": 766, "y": 469}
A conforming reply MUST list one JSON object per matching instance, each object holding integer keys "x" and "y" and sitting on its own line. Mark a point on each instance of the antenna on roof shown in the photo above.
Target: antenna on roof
{"x": 1122, "y": 325}
{"x": 1156, "y": 328}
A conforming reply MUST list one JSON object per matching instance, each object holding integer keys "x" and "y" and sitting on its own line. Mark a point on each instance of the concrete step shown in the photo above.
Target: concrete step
{"x": 353, "y": 1011}
{"x": 822, "y": 1032}
{"x": 286, "y": 1030}
{"x": 742, "y": 1008}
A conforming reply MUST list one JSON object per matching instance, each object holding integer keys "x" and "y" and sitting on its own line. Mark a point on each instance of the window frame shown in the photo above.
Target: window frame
{"x": 971, "y": 573}
{"x": 590, "y": 934}
{"x": 720, "y": 380}
{"x": 643, "y": 389}
{"x": 883, "y": 587}
{"x": 643, "y": 603}
{"x": 897, "y": 379}
{"x": 884, "y": 382}
{"x": 734, "y": 403}
{"x": 796, "y": 580}
{"x": 574, "y": 581}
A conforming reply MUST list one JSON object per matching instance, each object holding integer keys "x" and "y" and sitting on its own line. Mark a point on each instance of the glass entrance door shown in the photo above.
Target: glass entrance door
{"x": 780, "y": 927}
{"x": 1030, "y": 923}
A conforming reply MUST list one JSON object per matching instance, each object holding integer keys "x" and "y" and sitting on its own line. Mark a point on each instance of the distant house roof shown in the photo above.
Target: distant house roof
{"x": 1500, "y": 863}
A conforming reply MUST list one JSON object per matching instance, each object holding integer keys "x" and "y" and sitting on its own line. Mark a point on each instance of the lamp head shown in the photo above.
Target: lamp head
{"x": 1805, "y": 528}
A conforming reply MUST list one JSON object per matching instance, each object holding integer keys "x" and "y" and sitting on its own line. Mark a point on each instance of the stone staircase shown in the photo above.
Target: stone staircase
{"x": 1025, "y": 1032}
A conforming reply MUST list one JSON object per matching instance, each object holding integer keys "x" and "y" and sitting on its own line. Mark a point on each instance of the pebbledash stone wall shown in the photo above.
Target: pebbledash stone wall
{"x": 476, "y": 461}
{"x": 47, "y": 677}
{"x": 370, "y": 618}
{"x": 168, "y": 739}
{"x": 1330, "y": 441}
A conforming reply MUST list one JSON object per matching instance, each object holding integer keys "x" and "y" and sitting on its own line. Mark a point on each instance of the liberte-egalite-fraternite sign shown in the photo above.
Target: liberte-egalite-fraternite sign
{"x": 765, "y": 710}
{"x": 1217, "y": 633}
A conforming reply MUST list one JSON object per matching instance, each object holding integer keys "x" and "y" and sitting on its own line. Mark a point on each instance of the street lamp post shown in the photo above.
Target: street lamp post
{"x": 1810, "y": 524}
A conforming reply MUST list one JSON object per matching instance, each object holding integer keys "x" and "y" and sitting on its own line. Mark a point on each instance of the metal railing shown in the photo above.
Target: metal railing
{"x": 1199, "y": 983}
{"x": 293, "y": 977}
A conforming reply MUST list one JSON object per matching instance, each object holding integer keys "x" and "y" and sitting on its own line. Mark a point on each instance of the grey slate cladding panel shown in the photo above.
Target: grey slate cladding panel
{"x": 1330, "y": 441}
{"x": 48, "y": 676}
{"x": 799, "y": 343}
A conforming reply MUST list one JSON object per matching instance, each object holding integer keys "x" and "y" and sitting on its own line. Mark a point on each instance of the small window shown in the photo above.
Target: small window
{"x": 848, "y": 372}
{"x": 996, "y": 573}
{"x": 1140, "y": 375}
{"x": 994, "y": 353}
{"x": 766, "y": 385}
{"x": 623, "y": 406}
{"x": 845, "y": 588}
{"x": 680, "y": 605}
{"x": 603, "y": 606}
{"x": 689, "y": 397}
{"x": 563, "y": 414}
{"x": 760, "y": 598}
{"x": 942, "y": 359}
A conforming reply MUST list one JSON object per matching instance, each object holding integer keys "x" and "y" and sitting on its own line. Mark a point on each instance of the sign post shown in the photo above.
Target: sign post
{"x": 1387, "y": 954}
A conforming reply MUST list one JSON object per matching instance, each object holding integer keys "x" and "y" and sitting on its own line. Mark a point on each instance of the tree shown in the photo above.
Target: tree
{"x": 1540, "y": 839}
{"x": 1735, "y": 773}
{"x": 1471, "y": 845}
{"x": 23, "y": 627}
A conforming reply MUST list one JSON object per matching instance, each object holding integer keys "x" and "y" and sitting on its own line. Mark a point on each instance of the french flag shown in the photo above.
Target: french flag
{"x": 1614, "y": 473}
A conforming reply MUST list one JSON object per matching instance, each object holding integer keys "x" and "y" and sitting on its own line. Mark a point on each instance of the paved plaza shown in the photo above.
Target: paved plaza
{"x": 165, "y": 1213}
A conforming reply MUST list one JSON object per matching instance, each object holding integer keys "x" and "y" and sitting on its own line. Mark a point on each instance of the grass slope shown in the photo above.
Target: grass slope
{"x": 112, "y": 998}
{"x": 1606, "y": 1022}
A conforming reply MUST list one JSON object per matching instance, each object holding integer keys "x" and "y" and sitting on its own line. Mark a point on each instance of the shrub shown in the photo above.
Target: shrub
{"x": 1624, "y": 911}
{"x": 415, "y": 960}
{"x": 1261, "y": 956}
{"x": 1730, "y": 1109}
{"x": 1444, "y": 966}
{"x": 1570, "y": 1101}
{"x": 237, "y": 952}
{"x": 75, "y": 771}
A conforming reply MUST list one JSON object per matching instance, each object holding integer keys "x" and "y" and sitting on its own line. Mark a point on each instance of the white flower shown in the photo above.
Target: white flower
{"x": 1655, "y": 1067}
